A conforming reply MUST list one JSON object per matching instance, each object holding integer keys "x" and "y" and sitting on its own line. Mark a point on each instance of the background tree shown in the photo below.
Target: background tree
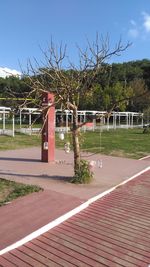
{"x": 126, "y": 74}
{"x": 141, "y": 96}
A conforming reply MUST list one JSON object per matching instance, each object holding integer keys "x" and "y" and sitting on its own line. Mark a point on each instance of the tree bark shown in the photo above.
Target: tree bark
{"x": 76, "y": 144}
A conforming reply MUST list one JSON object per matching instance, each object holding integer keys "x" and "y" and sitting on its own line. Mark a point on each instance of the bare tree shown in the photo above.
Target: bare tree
{"x": 71, "y": 82}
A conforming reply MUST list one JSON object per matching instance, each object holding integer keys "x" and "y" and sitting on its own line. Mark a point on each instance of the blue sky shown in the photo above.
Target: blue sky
{"x": 28, "y": 24}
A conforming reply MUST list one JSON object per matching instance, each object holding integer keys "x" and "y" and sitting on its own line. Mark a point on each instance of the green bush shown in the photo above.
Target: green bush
{"x": 146, "y": 129}
{"x": 83, "y": 175}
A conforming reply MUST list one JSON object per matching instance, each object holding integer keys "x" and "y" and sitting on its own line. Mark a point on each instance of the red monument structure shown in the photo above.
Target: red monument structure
{"x": 48, "y": 131}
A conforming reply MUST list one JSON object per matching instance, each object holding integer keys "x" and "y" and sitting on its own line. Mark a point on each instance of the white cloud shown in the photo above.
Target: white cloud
{"x": 133, "y": 22}
{"x": 133, "y": 32}
{"x": 146, "y": 22}
{"x": 140, "y": 30}
{"x": 6, "y": 72}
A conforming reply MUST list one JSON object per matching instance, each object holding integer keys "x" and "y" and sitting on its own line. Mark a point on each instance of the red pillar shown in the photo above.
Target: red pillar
{"x": 48, "y": 132}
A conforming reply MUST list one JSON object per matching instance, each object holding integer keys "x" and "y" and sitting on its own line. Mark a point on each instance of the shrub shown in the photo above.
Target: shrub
{"x": 146, "y": 129}
{"x": 83, "y": 175}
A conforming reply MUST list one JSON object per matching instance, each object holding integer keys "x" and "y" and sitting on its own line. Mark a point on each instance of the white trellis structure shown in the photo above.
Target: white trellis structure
{"x": 28, "y": 112}
{"x": 113, "y": 121}
{"x": 91, "y": 120}
{"x": 6, "y": 113}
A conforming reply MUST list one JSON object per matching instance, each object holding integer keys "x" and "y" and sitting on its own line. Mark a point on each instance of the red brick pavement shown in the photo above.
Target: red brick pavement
{"x": 113, "y": 231}
{"x": 28, "y": 214}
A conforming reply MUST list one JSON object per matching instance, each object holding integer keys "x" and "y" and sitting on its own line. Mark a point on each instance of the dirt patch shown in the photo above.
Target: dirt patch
{"x": 118, "y": 153}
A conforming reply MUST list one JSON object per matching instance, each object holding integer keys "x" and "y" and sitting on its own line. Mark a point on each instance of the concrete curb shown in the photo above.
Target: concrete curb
{"x": 146, "y": 157}
{"x": 66, "y": 216}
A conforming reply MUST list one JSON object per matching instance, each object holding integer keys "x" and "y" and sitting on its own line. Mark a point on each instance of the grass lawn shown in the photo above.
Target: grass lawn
{"x": 19, "y": 141}
{"x": 130, "y": 143}
{"x": 11, "y": 190}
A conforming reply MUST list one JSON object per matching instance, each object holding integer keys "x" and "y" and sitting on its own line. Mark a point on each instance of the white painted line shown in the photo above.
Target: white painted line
{"x": 45, "y": 228}
{"x": 146, "y": 157}
{"x": 93, "y": 199}
{"x": 66, "y": 216}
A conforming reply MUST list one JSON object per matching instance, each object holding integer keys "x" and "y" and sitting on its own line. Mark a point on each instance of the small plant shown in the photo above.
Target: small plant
{"x": 146, "y": 129}
{"x": 84, "y": 175}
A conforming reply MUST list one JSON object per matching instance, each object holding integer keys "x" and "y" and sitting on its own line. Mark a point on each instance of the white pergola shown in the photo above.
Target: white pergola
{"x": 113, "y": 121}
{"x": 28, "y": 112}
{"x": 98, "y": 119}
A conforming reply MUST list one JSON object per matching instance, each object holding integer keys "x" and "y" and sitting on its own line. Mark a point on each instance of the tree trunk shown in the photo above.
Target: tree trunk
{"x": 75, "y": 137}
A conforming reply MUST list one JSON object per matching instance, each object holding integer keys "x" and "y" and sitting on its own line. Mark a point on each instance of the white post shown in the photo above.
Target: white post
{"x": 119, "y": 119}
{"x": 132, "y": 121}
{"x": 104, "y": 120}
{"x": 84, "y": 121}
{"x": 13, "y": 126}
{"x": 4, "y": 125}
{"x": 66, "y": 121}
{"x": 142, "y": 120}
{"x": 113, "y": 120}
{"x": 127, "y": 119}
{"x": 108, "y": 123}
{"x": 20, "y": 119}
{"x": 30, "y": 122}
{"x": 94, "y": 122}
{"x": 80, "y": 116}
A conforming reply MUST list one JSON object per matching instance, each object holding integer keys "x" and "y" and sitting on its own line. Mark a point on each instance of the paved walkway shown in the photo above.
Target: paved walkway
{"x": 24, "y": 165}
{"x": 113, "y": 231}
{"x": 34, "y": 211}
